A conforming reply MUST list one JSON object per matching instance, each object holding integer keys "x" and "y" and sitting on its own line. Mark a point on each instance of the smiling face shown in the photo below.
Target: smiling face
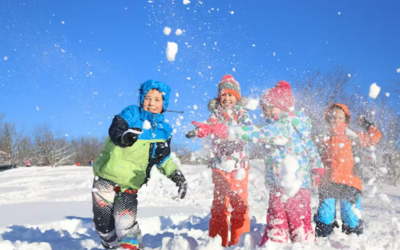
{"x": 153, "y": 102}
{"x": 336, "y": 115}
{"x": 228, "y": 101}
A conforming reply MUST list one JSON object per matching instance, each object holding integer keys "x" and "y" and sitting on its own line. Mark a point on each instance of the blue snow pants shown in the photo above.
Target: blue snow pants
{"x": 350, "y": 210}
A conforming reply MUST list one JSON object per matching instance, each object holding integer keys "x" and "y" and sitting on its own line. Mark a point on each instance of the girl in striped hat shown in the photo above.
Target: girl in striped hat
{"x": 230, "y": 163}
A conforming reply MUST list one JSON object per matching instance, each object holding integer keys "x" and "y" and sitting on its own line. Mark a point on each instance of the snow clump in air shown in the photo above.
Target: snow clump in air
{"x": 186, "y": 2}
{"x": 195, "y": 107}
{"x": 252, "y": 104}
{"x": 374, "y": 90}
{"x": 146, "y": 125}
{"x": 167, "y": 31}
{"x": 287, "y": 177}
{"x": 398, "y": 70}
{"x": 172, "y": 49}
{"x": 178, "y": 32}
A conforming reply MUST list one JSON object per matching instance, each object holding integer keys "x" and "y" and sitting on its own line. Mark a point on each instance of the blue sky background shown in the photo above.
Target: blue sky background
{"x": 74, "y": 64}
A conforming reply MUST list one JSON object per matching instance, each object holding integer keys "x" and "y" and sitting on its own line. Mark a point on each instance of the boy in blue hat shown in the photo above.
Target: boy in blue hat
{"x": 138, "y": 139}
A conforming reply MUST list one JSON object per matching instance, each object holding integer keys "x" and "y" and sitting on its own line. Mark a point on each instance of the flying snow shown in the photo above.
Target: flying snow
{"x": 398, "y": 70}
{"x": 195, "y": 107}
{"x": 252, "y": 104}
{"x": 374, "y": 90}
{"x": 178, "y": 32}
{"x": 167, "y": 31}
{"x": 5, "y": 58}
{"x": 172, "y": 49}
{"x": 186, "y": 2}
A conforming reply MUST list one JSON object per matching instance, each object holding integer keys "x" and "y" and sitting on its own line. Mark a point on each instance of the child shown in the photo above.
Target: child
{"x": 138, "y": 139}
{"x": 286, "y": 137}
{"x": 342, "y": 178}
{"x": 230, "y": 163}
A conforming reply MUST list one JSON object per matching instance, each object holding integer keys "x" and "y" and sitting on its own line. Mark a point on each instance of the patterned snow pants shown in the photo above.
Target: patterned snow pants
{"x": 291, "y": 218}
{"x": 114, "y": 215}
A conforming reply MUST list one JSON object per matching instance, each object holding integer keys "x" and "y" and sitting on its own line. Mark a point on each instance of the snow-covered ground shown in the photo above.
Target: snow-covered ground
{"x": 45, "y": 208}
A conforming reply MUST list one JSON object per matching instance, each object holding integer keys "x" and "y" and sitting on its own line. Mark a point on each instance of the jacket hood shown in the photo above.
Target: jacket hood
{"x": 214, "y": 104}
{"x": 342, "y": 106}
{"x": 160, "y": 86}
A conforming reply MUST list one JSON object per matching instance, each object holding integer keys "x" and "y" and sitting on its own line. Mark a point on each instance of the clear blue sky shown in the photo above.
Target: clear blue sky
{"x": 75, "y": 64}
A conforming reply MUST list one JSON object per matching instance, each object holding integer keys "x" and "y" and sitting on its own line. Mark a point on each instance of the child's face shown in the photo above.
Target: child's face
{"x": 153, "y": 101}
{"x": 271, "y": 112}
{"x": 228, "y": 101}
{"x": 336, "y": 116}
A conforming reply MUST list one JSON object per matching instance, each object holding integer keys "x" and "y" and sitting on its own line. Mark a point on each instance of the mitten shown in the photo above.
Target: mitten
{"x": 130, "y": 136}
{"x": 363, "y": 122}
{"x": 180, "y": 182}
{"x": 203, "y": 129}
{"x": 220, "y": 130}
{"x": 317, "y": 173}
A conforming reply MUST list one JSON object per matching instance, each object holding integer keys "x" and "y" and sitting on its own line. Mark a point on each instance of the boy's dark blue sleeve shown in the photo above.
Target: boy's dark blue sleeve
{"x": 117, "y": 128}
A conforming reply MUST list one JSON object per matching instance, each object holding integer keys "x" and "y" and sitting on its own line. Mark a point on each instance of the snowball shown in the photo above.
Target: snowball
{"x": 349, "y": 75}
{"x": 384, "y": 198}
{"x": 356, "y": 159}
{"x": 195, "y": 107}
{"x": 5, "y": 58}
{"x": 287, "y": 177}
{"x": 240, "y": 174}
{"x": 339, "y": 13}
{"x": 167, "y": 31}
{"x": 172, "y": 49}
{"x": 252, "y": 104}
{"x": 374, "y": 90}
{"x": 178, "y": 32}
{"x": 383, "y": 170}
{"x": 387, "y": 94}
{"x": 146, "y": 125}
{"x": 228, "y": 166}
{"x": 177, "y": 94}
{"x": 232, "y": 12}
{"x": 371, "y": 181}
{"x": 186, "y": 2}
{"x": 398, "y": 70}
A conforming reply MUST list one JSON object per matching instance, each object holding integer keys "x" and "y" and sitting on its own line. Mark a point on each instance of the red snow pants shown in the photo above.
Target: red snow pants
{"x": 291, "y": 218}
{"x": 228, "y": 190}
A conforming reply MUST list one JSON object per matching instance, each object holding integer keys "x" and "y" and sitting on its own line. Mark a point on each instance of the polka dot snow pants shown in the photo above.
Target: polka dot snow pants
{"x": 114, "y": 215}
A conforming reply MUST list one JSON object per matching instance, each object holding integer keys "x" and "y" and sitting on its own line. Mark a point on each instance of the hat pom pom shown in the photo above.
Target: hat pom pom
{"x": 283, "y": 85}
{"x": 227, "y": 78}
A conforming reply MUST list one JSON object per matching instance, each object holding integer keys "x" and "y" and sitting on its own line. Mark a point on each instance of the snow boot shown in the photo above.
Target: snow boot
{"x": 324, "y": 230}
{"x": 359, "y": 229}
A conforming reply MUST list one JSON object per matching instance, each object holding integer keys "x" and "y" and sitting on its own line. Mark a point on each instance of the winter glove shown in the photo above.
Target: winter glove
{"x": 180, "y": 182}
{"x": 363, "y": 122}
{"x": 191, "y": 134}
{"x": 203, "y": 129}
{"x": 130, "y": 136}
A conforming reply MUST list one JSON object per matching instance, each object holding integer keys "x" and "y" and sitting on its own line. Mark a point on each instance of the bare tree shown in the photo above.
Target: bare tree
{"x": 51, "y": 150}
{"x": 86, "y": 148}
{"x": 14, "y": 144}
